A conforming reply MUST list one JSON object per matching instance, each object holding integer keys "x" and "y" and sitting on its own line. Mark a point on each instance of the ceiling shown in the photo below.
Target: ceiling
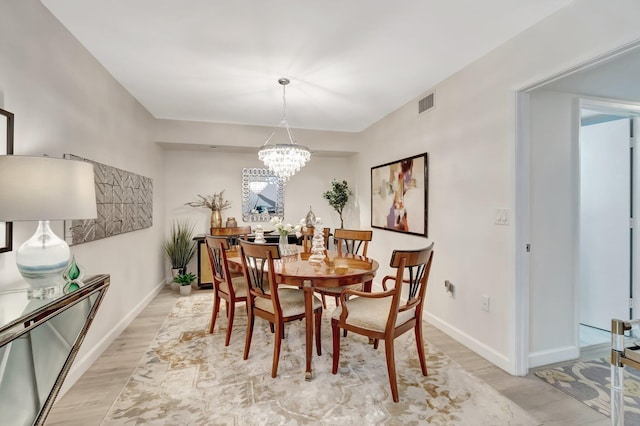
{"x": 350, "y": 62}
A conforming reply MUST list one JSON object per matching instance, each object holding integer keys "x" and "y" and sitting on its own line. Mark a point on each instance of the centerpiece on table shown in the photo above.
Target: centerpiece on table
{"x": 216, "y": 203}
{"x": 284, "y": 230}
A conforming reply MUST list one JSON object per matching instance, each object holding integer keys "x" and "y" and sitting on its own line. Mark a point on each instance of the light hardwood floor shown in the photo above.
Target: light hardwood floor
{"x": 88, "y": 401}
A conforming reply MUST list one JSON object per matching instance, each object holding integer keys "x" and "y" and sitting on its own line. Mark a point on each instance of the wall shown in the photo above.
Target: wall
{"x": 470, "y": 136}
{"x": 204, "y": 172}
{"x": 65, "y": 102}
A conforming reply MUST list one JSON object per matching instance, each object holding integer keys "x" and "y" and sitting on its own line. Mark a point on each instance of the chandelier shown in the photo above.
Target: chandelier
{"x": 257, "y": 186}
{"x": 284, "y": 160}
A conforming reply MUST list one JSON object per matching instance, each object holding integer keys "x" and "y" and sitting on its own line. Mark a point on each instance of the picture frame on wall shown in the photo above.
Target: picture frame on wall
{"x": 6, "y": 148}
{"x": 399, "y": 195}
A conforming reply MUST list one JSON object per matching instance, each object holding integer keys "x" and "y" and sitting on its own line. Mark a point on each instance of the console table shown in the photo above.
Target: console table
{"x": 39, "y": 339}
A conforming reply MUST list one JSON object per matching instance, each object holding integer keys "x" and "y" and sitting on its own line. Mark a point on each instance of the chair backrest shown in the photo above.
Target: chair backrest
{"x": 418, "y": 265}
{"x": 355, "y": 241}
{"x": 233, "y": 233}
{"x": 257, "y": 264}
{"x": 217, "y": 249}
{"x": 307, "y": 238}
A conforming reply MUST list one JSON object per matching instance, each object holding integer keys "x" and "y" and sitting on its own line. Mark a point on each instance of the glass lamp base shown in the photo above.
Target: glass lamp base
{"x": 42, "y": 259}
{"x": 44, "y": 292}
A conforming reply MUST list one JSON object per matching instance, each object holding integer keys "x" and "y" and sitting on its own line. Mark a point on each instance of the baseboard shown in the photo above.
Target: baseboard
{"x": 80, "y": 365}
{"x": 551, "y": 356}
{"x": 475, "y": 345}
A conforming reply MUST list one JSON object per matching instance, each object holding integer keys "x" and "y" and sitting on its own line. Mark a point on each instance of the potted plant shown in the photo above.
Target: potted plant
{"x": 338, "y": 196}
{"x": 180, "y": 246}
{"x": 185, "y": 281}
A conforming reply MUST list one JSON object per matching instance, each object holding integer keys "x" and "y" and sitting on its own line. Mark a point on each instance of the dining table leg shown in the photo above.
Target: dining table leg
{"x": 308, "y": 311}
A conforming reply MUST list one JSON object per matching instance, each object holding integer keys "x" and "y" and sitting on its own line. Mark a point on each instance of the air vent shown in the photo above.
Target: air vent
{"x": 425, "y": 104}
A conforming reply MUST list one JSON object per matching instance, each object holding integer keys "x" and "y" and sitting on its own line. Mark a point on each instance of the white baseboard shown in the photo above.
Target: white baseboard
{"x": 80, "y": 365}
{"x": 475, "y": 345}
{"x": 551, "y": 356}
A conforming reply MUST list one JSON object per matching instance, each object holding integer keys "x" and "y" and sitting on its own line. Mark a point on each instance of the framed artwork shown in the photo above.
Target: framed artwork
{"x": 6, "y": 148}
{"x": 399, "y": 192}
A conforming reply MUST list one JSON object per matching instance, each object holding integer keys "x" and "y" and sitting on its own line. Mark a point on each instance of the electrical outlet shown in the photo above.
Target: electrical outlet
{"x": 449, "y": 286}
{"x": 485, "y": 303}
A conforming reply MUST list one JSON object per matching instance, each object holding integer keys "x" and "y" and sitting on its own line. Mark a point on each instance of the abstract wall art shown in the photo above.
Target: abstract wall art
{"x": 399, "y": 193}
{"x": 124, "y": 201}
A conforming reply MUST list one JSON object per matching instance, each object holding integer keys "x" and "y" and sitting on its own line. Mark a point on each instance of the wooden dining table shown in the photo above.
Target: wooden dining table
{"x": 296, "y": 270}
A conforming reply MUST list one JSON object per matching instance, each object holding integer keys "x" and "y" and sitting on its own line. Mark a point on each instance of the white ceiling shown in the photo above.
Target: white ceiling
{"x": 350, "y": 62}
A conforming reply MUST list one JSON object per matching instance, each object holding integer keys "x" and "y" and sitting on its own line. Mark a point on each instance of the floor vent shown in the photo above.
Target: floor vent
{"x": 425, "y": 104}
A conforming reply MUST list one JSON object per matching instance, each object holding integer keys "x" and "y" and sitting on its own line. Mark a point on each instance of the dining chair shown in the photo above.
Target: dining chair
{"x": 349, "y": 241}
{"x": 387, "y": 315}
{"x": 232, "y": 288}
{"x": 267, "y": 300}
{"x": 307, "y": 238}
{"x": 233, "y": 234}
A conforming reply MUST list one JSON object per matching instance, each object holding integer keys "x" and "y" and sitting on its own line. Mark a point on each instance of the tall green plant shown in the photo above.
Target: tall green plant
{"x": 180, "y": 246}
{"x": 338, "y": 196}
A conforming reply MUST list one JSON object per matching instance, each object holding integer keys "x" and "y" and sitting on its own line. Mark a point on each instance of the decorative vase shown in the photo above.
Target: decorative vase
{"x": 231, "y": 222}
{"x": 216, "y": 219}
{"x": 283, "y": 242}
{"x": 310, "y": 219}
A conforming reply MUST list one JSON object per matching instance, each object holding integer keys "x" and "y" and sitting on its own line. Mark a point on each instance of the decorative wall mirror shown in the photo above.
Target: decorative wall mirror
{"x": 262, "y": 195}
{"x": 6, "y": 148}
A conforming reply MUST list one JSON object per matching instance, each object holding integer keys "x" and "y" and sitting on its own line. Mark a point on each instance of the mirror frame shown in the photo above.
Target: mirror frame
{"x": 6, "y": 148}
{"x": 256, "y": 175}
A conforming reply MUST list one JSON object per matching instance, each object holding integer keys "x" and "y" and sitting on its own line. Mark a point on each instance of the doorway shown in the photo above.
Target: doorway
{"x": 607, "y": 198}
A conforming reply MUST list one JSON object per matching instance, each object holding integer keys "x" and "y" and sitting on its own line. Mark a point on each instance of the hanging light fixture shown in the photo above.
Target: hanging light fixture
{"x": 284, "y": 160}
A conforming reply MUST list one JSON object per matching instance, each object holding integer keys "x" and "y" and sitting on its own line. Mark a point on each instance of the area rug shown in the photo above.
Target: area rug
{"x": 188, "y": 377}
{"x": 590, "y": 383}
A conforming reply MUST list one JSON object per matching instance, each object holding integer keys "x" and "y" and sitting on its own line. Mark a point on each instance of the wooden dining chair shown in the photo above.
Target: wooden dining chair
{"x": 267, "y": 300}
{"x": 227, "y": 286}
{"x": 385, "y": 315}
{"x": 232, "y": 233}
{"x": 349, "y": 241}
{"x": 307, "y": 238}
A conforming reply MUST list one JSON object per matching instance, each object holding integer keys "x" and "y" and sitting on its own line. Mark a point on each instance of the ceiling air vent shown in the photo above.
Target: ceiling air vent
{"x": 425, "y": 104}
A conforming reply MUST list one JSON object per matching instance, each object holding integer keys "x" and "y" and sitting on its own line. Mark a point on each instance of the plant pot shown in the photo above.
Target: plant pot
{"x": 185, "y": 290}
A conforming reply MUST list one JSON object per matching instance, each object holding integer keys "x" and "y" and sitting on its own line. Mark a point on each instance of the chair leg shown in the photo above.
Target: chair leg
{"x": 230, "y": 314}
{"x": 324, "y": 301}
{"x": 276, "y": 349}
{"x": 318, "y": 329}
{"x": 420, "y": 343}
{"x": 391, "y": 368}
{"x": 216, "y": 309}
{"x": 335, "y": 331}
{"x": 247, "y": 343}
{"x": 375, "y": 343}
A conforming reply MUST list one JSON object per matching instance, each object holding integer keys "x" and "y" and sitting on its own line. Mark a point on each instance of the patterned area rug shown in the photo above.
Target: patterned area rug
{"x": 590, "y": 383}
{"x": 188, "y": 377}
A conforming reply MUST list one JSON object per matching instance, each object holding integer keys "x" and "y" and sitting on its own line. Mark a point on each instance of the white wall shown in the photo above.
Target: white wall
{"x": 470, "y": 136}
{"x": 204, "y": 172}
{"x": 65, "y": 102}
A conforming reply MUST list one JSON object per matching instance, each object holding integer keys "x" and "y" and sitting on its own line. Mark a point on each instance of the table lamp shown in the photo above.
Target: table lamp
{"x": 43, "y": 189}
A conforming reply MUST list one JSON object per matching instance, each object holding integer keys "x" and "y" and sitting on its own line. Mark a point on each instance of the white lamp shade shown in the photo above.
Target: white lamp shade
{"x": 45, "y": 188}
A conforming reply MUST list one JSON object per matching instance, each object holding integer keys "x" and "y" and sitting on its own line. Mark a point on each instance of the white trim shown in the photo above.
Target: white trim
{"x": 551, "y": 356}
{"x": 475, "y": 345}
{"x": 520, "y": 312}
{"x": 81, "y": 365}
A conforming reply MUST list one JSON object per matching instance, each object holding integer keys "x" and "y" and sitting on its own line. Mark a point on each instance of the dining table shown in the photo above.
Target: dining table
{"x": 335, "y": 270}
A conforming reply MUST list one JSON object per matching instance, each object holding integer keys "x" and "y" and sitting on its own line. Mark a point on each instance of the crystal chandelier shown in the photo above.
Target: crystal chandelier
{"x": 284, "y": 160}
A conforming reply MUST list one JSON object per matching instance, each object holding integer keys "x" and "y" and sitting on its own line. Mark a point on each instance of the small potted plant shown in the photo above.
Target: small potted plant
{"x": 338, "y": 196}
{"x": 185, "y": 281}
